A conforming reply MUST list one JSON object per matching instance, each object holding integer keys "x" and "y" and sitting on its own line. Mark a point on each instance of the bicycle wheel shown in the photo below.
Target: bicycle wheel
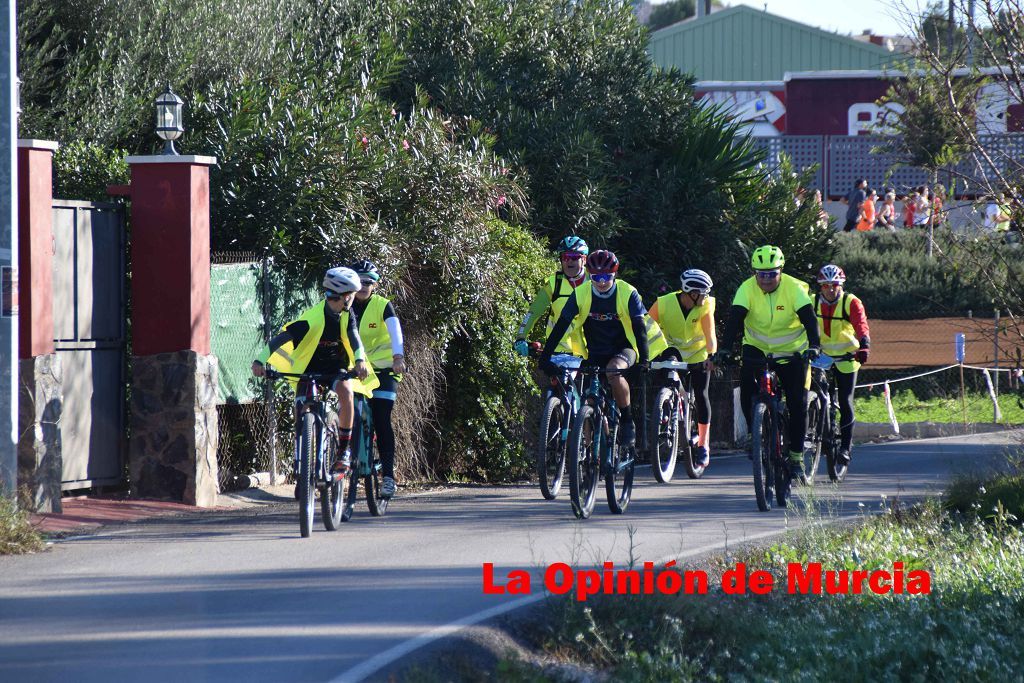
{"x": 689, "y": 431}
{"x": 812, "y": 441}
{"x": 836, "y": 472}
{"x": 663, "y": 439}
{"x": 551, "y": 449}
{"x": 377, "y": 504}
{"x": 352, "y": 483}
{"x": 618, "y": 479}
{"x": 762, "y": 446}
{"x": 332, "y": 497}
{"x": 307, "y": 436}
{"x": 582, "y": 462}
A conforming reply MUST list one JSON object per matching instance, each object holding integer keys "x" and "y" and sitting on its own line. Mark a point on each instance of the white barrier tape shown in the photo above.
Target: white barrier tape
{"x": 978, "y": 367}
{"x": 904, "y": 379}
{"x": 892, "y": 413}
{"x": 992, "y": 395}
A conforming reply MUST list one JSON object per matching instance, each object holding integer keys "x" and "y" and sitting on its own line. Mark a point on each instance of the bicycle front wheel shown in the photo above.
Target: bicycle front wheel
{"x": 332, "y": 498}
{"x": 307, "y": 441}
{"x": 664, "y": 435}
{"x": 551, "y": 448}
{"x": 836, "y": 472}
{"x": 812, "y": 442}
{"x": 618, "y": 479}
{"x": 582, "y": 462}
{"x": 688, "y": 424}
{"x": 762, "y": 447}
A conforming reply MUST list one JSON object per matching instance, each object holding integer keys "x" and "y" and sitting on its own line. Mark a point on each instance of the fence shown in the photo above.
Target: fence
{"x": 246, "y": 295}
{"x": 915, "y": 373}
{"x": 842, "y": 159}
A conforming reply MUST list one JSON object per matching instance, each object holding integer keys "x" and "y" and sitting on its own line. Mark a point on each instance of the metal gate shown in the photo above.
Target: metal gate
{"x": 89, "y": 322}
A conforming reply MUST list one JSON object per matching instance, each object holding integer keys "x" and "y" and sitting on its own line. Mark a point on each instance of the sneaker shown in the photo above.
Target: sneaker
{"x": 627, "y": 433}
{"x": 843, "y": 456}
{"x": 796, "y": 466}
{"x": 703, "y": 458}
{"x": 342, "y": 465}
{"x": 388, "y": 487}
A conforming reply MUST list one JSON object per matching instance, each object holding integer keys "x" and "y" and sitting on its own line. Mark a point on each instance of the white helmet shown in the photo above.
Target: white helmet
{"x": 341, "y": 281}
{"x": 831, "y": 273}
{"x": 696, "y": 281}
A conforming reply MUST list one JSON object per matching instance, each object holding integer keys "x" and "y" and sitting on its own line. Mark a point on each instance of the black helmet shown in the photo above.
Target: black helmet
{"x": 366, "y": 270}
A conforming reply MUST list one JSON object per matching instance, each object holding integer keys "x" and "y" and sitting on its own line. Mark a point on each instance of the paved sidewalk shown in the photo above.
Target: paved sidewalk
{"x": 83, "y": 514}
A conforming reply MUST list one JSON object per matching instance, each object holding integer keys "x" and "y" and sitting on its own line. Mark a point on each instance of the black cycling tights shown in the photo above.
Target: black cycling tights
{"x": 381, "y": 409}
{"x": 793, "y": 376}
{"x": 845, "y": 381}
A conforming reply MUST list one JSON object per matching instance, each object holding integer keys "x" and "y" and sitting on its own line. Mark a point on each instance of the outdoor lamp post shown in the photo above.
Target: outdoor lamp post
{"x": 169, "y": 119}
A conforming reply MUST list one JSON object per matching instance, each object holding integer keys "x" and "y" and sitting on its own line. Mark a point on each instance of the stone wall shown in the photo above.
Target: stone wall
{"x": 172, "y": 451}
{"x": 41, "y": 404}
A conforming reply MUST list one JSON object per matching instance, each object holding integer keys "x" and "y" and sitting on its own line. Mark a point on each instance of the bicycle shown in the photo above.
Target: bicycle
{"x": 674, "y": 406}
{"x": 366, "y": 464}
{"x": 823, "y": 428}
{"x": 315, "y": 454}
{"x": 561, "y": 401}
{"x": 594, "y": 453}
{"x": 769, "y": 450}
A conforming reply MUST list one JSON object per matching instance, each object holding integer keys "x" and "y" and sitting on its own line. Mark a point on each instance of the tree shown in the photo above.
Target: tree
{"x": 671, "y": 12}
{"x": 927, "y": 134}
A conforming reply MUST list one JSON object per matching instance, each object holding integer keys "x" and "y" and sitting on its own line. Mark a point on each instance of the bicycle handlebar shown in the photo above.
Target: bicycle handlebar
{"x": 322, "y": 377}
{"x": 669, "y": 365}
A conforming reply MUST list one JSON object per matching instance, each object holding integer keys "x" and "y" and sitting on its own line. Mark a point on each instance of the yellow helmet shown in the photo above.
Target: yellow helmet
{"x": 767, "y": 258}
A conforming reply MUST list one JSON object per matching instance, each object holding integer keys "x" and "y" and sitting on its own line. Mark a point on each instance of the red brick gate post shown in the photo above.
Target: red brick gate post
{"x": 172, "y": 452}
{"x": 40, "y": 385}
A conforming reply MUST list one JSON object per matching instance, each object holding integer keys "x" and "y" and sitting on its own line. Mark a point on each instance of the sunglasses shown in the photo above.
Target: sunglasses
{"x": 768, "y": 274}
{"x": 331, "y": 296}
{"x": 367, "y": 283}
{"x": 602, "y": 277}
{"x": 571, "y": 256}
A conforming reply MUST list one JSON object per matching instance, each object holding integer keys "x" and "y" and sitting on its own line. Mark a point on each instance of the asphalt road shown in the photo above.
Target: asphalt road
{"x": 238, "y": 595}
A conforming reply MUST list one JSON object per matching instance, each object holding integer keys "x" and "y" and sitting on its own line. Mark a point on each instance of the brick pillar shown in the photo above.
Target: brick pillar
{"x": 173, "y": 448}
{"x": 40, "y": 386}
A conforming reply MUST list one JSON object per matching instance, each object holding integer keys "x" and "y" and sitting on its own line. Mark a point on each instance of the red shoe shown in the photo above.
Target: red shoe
{"x": 341, "y": 466}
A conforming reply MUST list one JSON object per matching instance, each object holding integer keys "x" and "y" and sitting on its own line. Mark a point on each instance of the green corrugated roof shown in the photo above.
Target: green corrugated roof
{"x": 744, "y": 44}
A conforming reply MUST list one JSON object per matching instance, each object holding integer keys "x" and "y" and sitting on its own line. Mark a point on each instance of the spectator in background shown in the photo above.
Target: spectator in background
{"x": 866, "y": 219}
{"x": 909, "y": 205}
{"x": 887, "y": 212}
{"x": 824, "y": 219}
{"x": 938, "y": 202}
{"x": 922, "y": 207}
{"x": 854, "y": 201}
{"x": 997, "y": 215}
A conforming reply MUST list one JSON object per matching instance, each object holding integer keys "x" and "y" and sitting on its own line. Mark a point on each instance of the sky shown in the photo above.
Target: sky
{"x": 884, "y": 17}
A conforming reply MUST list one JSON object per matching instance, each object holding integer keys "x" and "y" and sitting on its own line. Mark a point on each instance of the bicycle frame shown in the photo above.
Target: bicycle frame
{"x": 598, "y": 394}
{"x": 564, "y": 386}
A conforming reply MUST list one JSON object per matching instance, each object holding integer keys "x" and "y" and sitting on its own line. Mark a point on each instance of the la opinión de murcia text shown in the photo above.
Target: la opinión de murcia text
{"x": 800, "y": 579}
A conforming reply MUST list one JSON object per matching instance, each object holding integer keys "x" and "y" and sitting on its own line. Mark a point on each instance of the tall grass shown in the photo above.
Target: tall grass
{"x": 17, "y": 535}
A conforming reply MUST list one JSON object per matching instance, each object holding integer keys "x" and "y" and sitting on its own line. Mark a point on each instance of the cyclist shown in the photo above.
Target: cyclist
{"x": 572, "y": 253}
{"x": 843, "y": 325}
{"x": 325, "y": 339}
{"x": 615, "y": 331}
{"x": 687, "y": 319}
{"x": 381, "y": 332}
{"x": 777, "y": 316}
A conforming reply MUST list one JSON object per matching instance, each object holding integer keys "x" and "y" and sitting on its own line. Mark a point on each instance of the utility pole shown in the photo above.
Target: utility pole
{"x": 8, "y": 255}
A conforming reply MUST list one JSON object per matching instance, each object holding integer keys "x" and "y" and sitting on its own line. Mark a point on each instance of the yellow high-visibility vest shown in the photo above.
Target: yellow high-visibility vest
{"x": 772, "y": 324}
{"x": 684, "y": 331}
{"x": 584, "y": 299}
{"x": 289, "y": 358}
